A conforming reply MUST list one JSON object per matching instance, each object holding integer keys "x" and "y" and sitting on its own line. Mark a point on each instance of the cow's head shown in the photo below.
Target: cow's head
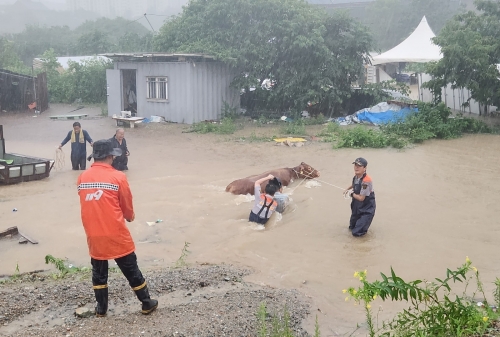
{"x": 306, "y": 171}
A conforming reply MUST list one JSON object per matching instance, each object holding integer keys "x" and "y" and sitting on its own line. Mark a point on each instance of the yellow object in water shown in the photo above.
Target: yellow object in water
{"x": 290, "y": 139}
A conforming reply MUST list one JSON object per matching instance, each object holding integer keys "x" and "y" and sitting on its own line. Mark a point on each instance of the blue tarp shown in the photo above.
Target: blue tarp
{"x": 381, "y": 113}
{"x": 384, "y": 117}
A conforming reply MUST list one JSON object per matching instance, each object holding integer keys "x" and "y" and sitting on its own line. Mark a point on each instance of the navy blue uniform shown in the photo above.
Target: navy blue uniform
{"x": 78, "y": 150}
{"x": 120, "y": 163}
{"x": 362, "y": 211}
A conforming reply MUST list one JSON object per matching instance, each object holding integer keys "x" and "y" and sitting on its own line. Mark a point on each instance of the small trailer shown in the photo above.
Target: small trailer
{"x": 16, "y": 168}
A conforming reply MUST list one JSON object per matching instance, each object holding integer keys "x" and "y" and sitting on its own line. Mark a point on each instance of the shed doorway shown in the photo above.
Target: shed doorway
{"x": 129, "y": 95}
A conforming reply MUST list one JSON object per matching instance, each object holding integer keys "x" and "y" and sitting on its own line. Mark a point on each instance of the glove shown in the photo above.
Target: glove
{"x": 348, "y": 194}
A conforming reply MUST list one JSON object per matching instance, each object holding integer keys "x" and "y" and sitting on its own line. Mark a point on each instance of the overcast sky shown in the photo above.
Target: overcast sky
{"x": 61, "y": 4}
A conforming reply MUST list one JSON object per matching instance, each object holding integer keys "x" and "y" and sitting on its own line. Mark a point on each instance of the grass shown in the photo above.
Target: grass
{"x": 224, "y": 127}
{"x": 297, "y": 128}
{"x": 318, "y": 120}
{"x": 277, "y": 325}
{"x": 63, "y": 267}
{"x": 254, "y": 138}
{"x": 181, "y": 261}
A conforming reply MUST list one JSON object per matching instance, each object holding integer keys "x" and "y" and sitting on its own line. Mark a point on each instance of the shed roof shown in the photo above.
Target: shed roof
{"x": 157, "y": 57}
{"x": 5, "y": 72}
{"x": 64, "y": 61}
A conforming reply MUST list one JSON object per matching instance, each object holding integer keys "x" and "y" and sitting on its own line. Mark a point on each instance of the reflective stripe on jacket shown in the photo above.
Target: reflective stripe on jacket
{"x": 106, "y": 201}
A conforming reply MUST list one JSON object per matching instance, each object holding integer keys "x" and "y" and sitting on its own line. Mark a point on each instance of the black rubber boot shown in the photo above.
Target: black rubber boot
{"x": 101, "y": 296}
{"x": 148, "y": 305}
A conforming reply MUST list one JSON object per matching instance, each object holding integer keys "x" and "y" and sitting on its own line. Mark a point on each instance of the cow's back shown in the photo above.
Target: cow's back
{"x": 246, "y": 185}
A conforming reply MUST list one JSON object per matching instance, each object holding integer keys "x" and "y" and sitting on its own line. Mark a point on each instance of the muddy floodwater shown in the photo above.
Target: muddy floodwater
{"x": 436, "y": 204}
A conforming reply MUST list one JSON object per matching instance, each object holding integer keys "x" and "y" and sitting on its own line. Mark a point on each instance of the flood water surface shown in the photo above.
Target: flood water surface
{"x": 436, "y": 204}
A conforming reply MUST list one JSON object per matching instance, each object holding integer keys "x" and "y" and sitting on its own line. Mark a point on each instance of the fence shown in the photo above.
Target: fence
{"x": 18, "y": 91}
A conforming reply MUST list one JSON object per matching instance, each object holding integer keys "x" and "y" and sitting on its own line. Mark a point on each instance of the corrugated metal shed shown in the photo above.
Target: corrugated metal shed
{"x": 197, "y": 85}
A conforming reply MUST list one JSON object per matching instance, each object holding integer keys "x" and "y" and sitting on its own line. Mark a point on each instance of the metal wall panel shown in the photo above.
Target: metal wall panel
{"x": 196, "y": 90}
{"x": 211, "y": 88}
{"x": 114, "y": 92}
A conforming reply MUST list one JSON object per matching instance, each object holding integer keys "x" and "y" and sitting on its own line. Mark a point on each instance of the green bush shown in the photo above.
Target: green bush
{"x": 84, "y": 81}
{"x": 294, "y": 128}
{"x": 359, "y": 137}
{"x": 432, "y": 121}
{"x": 225, "y": 126}
{"x": 318, "y": 120}
{"x": 434, "y": 310}
{"x": 329, "y": 133}
{"x": 229, "y": 111}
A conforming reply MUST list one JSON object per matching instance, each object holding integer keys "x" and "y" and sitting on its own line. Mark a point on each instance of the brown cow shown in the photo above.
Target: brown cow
{"x": 286, "y": 175}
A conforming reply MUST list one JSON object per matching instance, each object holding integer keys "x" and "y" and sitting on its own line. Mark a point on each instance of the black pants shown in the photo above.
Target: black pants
{"x": 359, "y": 223}
{"x": 79, "y": 162}
{"x": 121, "y": 163}
{"x": 255, "y": 218}
{"x": 128, "y": 266}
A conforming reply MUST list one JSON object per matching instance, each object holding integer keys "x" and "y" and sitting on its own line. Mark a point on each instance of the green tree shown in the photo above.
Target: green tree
{"x": 55, "y": 80}
{"x": 85, "y": 81}
{"x": 131, "y": 42}
{"x": 306, "y": 54}
{"x": 470, "y": 44}
{"x": 9, "y": 59}
{"x": 34, "y": 40}
{"x": 49, "y": 63}
{"x": 114, "y": 28}
{"x": 93, "y": 43}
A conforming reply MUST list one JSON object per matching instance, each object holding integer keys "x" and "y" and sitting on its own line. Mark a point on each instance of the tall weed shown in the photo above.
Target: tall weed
{"x": 434, "y": 309}
{"x": 277, "y": 325}
{"x": 225, "y": 126}
{"x": 294, "y": 128}
{"x": 359, "y": 137}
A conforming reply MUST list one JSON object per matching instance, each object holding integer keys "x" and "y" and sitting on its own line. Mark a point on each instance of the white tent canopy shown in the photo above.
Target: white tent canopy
{"x": 418, "y": 47}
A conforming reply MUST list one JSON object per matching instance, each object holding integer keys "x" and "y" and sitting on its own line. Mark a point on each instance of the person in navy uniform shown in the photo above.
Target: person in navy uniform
{"x": 78, "y": 137}
{"x": 363, "y": 199}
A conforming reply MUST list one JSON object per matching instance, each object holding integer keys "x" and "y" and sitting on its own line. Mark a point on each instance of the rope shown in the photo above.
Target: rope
{"x": 59, "y": 160}
{"x": 347, "y": 196}
{"x": 291, "y": 192}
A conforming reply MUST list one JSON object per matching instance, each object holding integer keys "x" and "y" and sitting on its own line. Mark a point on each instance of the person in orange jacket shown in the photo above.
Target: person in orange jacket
{"x": 106, "y": 202}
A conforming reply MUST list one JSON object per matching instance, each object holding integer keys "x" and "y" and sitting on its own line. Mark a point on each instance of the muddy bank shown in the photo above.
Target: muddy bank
{"x": 195, "y": 301}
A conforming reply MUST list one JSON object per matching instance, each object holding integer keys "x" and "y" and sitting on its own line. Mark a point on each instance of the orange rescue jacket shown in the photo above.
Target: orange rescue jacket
{"x": 106, "y": 201}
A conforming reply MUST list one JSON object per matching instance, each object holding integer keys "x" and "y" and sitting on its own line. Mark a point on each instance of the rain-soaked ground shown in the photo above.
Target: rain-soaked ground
{"x": 436, "y": 204}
